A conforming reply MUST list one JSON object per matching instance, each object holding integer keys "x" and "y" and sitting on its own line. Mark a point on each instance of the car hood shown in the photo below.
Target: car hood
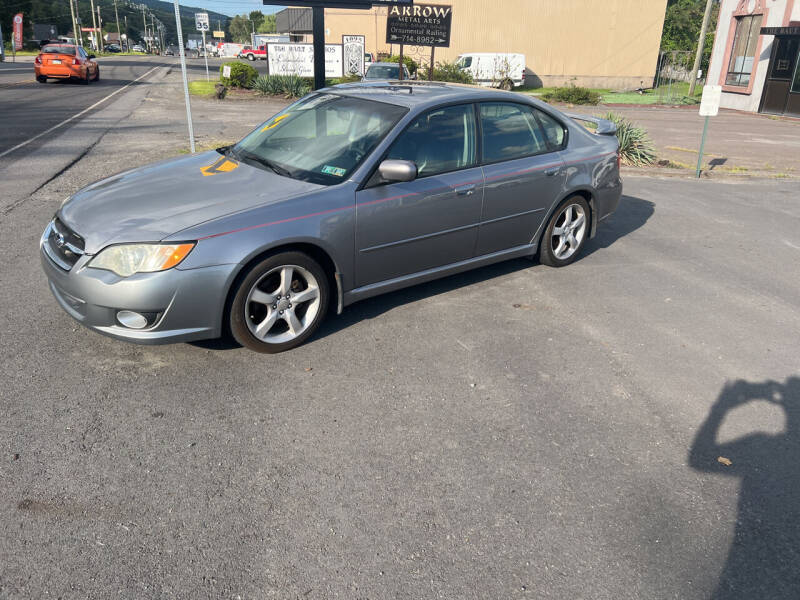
{"x": 151, "y": 203}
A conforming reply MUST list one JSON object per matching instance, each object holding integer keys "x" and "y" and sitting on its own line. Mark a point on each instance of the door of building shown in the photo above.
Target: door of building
{"x": 782, "y": 89}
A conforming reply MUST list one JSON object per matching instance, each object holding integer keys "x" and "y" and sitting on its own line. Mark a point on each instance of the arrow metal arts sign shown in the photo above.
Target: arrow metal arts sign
{"x": 419, "y": 25}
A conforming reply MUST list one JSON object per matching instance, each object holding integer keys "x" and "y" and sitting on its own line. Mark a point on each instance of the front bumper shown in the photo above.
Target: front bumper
{"x": 188, "y": 304}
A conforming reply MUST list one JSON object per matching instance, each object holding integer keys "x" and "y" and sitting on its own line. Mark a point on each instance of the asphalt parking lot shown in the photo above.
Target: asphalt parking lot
{"x": 513, "y": 432}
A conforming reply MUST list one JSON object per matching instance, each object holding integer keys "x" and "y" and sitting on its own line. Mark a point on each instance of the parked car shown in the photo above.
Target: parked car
{"x": 112, "y": 48}
{"x": 191, "y": 53}
{"x": 369, "y": 58}
{"x": 138, "y": 48}
{"x": 494, "y": 69}
{"x": 65, "y": 61}
{"x": 170, "y": 51}
{"x": 385, "y": 71}
{"x": 400, "y": 184}
{"x": 250, "y": 53}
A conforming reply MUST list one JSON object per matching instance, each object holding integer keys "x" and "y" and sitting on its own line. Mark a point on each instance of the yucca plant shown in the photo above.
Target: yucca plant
{"x": 262, "y": 85}
{"x": 635, "y": 146}
{"x": 294, "y": 86}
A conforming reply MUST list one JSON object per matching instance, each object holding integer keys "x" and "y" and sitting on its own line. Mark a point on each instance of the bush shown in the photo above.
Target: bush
{"x": 572, "y": 95}
{"x": 635, "y": 146}
{"x": 409, "y": 62}
{"x": 242, "y": 75}
{"x": 290, "y": 86}
{"x": 447, "y": 71}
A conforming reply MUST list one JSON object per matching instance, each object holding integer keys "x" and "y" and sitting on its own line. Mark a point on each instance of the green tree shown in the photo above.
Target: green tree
{"x": 240, "y": 29}
{"x": 267, "y": 24}
{"x": 256, "y": 17}
{"x": 682, "y": 24}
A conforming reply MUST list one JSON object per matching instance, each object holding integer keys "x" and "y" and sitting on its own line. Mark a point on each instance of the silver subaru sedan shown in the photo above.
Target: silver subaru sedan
{"x": 348, "y": 193}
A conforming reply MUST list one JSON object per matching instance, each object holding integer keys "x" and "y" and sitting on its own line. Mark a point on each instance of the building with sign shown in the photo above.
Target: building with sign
{"x": 611, "y": 44}
{"x": 756, "y": 56}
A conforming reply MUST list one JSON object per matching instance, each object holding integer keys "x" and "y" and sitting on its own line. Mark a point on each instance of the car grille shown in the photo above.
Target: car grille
{"x": 62, "y": 245}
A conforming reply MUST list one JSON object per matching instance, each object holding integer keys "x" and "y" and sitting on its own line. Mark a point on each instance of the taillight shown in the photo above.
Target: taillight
{"x": 38, "y": 59}
{"x": 76, "y": 61}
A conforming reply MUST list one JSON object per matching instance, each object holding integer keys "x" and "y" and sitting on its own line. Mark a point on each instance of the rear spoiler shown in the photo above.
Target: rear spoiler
{"x": 604, "y": 127}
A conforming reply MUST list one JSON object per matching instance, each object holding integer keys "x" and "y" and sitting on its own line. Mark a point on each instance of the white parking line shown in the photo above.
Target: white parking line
{"x": 75, "y": 116}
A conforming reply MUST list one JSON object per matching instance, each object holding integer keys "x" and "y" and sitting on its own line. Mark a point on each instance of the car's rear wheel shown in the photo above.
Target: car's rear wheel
{"x": 88, "y": 79}
{"x": 41, "y": 79}
{"x": 250, "y": 57}
{"x": 280, "y": 303}
{"x": 97, "y": 74}
{"x": 507, "y": 85}
{"x": 566, "y": 233}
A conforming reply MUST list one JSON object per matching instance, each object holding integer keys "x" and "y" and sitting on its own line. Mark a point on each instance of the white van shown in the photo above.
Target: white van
{"x": 494, "y": 69}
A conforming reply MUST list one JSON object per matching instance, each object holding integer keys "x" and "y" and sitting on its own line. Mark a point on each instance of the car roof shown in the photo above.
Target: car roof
{"x": 421, "y": 94}
{"x": 383, "y": 64}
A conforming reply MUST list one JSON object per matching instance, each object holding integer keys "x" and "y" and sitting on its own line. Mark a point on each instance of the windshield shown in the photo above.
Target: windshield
{"x": 383, "y": 72}
{"x": 70, "y": 50}
{"x": 321, "y": 138}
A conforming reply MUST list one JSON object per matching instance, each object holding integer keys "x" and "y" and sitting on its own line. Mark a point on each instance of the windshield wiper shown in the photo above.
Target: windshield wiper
{"x": 244, "y": 154}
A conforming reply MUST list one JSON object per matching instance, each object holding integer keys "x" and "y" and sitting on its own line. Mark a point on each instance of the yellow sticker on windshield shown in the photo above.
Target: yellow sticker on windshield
{"x": 275, "y": 121}
{"x": 223, "y": 165}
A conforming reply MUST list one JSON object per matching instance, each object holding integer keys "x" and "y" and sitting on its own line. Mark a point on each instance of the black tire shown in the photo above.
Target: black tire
{"x": 241, "y": 315}
{"x": 549, "y": 246}
{"x": 41, "y": 79}
{"x": 97, "y": 74}
{"x": 507, "y": 85}
{"x": 88, "y": 79}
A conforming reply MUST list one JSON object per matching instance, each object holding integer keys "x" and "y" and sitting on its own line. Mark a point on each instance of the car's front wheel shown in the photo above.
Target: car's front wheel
{"x": 566, "y": 233}
{"x": 280, "y": 303}
{"x": 250, "y": 57}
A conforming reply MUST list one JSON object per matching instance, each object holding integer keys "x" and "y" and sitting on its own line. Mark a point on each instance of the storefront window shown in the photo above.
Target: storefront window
{"x": 743, "y": 53}
{"x": 785, "y": 53}
{"x": 796, "y": 80}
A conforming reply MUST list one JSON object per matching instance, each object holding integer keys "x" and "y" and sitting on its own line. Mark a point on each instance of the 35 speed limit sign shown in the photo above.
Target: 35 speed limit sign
{"x": 201, "y": 21}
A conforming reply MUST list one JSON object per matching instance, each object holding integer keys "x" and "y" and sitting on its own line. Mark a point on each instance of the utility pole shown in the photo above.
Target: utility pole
{"x": 74, "y": 22}
{"x": 94, "y": 26}
{"x": 127, "y": 41}
{"x": 119, "y": 34}
{"x": 99, "y": 32}
{"x": 700, "y": 43}
{"x": 144, "y": 21}
{"x": 152, "y": 29}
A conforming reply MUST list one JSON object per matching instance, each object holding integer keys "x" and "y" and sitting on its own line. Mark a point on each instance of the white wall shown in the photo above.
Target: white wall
{"x": 745, "y": 102}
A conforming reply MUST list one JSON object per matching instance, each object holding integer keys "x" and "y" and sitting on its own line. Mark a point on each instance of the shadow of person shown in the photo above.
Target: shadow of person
{"x": 764, "y": 558}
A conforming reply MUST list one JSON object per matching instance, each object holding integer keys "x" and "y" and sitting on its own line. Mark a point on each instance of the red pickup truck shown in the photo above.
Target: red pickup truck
{"x": 254, "y": 53}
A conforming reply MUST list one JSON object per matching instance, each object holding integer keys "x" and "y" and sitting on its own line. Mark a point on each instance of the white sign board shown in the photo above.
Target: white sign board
{"x": 709, "y": 104}
{"x": 226, "y": 71}
{"x": 201, "y": 21}
{"x": 298, "y": 59}
{"x": 354, "y": 49}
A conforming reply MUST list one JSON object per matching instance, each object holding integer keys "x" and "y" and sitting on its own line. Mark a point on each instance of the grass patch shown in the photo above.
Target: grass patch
{"x": 201, "y": 87}
{"x": 677, "y": 94}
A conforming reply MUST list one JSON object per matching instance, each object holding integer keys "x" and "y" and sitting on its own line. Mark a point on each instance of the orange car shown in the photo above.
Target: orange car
{"x": 65, "y": 61}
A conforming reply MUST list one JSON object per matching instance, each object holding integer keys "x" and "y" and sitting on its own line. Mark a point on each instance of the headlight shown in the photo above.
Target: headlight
{"x": 127, "y": 259}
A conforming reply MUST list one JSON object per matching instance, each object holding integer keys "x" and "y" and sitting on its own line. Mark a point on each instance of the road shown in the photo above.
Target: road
{"x": 29, "y": 108}
{"x": 513, "y": 432}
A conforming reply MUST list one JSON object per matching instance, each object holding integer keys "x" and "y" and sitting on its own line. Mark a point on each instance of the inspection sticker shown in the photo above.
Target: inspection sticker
{"x": 337, "y": 171}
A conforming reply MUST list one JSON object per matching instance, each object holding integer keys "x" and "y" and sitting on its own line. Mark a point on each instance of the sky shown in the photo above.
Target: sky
{"x": 231, "y": 7}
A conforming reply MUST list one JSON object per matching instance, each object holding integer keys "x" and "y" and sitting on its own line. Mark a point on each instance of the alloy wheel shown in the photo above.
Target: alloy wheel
{"x": 282, "y": 304}
{"x": 568, "y": 232}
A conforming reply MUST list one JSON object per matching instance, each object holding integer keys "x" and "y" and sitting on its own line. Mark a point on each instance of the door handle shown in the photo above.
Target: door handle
{"x": 552, "y": 171}
{"x": 465, "y": 190}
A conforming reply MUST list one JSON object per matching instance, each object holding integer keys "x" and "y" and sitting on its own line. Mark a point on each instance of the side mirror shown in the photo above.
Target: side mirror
{"x": 91, "y": 56}
{"x": 398, "y": 170}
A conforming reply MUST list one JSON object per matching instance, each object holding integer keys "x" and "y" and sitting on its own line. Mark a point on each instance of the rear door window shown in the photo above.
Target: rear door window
{"x": 510, "y": 131}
